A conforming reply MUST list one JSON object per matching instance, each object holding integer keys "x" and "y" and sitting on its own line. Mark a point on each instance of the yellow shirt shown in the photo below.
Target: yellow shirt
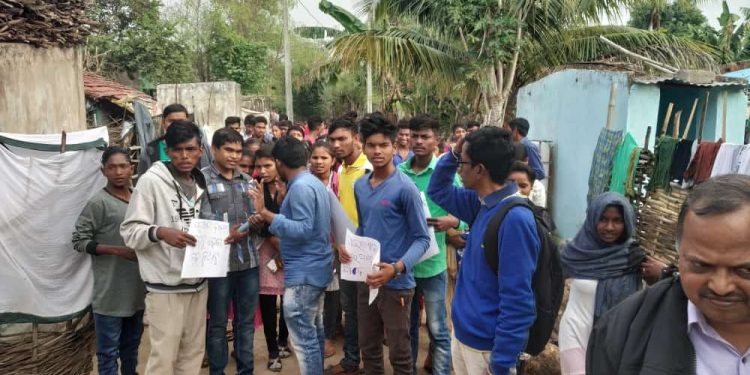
{"x": 348, "y": 174}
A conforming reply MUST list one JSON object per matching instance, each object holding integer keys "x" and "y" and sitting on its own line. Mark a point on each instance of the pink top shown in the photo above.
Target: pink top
{"x": 271, "y": 283}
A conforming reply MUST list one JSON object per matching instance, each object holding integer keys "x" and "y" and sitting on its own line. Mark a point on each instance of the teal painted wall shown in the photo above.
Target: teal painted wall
{"x": 569, "y": 108}
{"x": 683, "y": 96}
{"x": 643, "y": 106}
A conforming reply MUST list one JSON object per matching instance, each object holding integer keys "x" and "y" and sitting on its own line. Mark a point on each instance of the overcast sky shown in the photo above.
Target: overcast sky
{"x": 306, "y": 12}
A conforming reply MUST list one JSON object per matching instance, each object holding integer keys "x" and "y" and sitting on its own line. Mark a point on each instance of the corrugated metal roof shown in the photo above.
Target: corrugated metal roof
{"x": 672, "y": 80}
{"x": 97, "y": 87}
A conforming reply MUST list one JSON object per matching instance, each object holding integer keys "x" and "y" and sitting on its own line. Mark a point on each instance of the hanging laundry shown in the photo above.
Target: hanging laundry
{"x": 681, "y": 159}
{"x": 601, "y": 165}
{"x": 726, "y": 160}
{"x": 665, "y": 150}
{"x": 743, "y": 160}
{"x": 633, "y": 162}
{"x": 700, "y": 167}
{"x": 621, "y": 164}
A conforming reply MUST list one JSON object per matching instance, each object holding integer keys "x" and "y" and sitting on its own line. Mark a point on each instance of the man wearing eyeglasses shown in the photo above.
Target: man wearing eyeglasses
{"x": 491, "y": 312}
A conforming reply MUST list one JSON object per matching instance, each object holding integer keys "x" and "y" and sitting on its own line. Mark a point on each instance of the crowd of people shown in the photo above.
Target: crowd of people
{"x": 402, "y": 184}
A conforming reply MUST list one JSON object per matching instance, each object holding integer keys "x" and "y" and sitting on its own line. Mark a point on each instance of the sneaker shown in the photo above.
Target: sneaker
{"x": 284, "y": 352}
{"x": 274, "y": 365}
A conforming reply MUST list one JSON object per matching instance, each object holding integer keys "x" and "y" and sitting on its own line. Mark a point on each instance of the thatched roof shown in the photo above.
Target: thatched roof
{"x": 52, "y": 23}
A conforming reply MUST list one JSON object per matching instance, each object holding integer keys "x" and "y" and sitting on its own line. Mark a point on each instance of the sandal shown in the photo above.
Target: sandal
{"x": 274, "y": 365}
{"x": 284, "y": 352}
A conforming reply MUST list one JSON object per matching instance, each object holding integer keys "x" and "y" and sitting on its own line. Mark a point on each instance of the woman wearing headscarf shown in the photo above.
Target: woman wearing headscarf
{"x": 606, "y": 266}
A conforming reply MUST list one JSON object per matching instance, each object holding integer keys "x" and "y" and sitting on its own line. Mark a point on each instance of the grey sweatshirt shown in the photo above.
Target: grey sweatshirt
{"x": 118, "y": 288}
{"x": 158, "y": 201}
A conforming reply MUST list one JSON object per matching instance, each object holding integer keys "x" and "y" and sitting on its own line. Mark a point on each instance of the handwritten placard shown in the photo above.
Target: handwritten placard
{"x": 365, "y": 253}
{"x": 433, "y": 249}
{"x": 210, "y": 256}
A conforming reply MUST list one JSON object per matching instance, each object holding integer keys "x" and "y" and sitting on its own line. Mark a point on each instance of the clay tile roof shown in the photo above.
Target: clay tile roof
{"x": 98, "y": 88}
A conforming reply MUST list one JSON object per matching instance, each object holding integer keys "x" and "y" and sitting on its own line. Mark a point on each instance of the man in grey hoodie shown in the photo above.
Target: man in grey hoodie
{"x": 162, "y": 205}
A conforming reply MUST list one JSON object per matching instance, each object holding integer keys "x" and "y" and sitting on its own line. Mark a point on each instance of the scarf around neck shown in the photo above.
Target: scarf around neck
{"x": 615, "y": 266}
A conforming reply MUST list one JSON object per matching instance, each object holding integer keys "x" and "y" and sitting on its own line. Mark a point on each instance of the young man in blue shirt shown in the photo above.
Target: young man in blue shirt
{"x": 390, "y": 210}
{"x": 520, "y": 129}
{"x": 491, "y": 312}
{"x": 303, "y": 226}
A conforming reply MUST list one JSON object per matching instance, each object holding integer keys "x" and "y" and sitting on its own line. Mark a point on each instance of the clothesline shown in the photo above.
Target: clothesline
{"x": 678, "y": 163}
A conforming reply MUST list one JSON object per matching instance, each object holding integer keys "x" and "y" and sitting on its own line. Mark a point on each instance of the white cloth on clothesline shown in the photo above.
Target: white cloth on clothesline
{"x": 743, "y": 160}
{"x": 41, "y": 276}
{"x": 726, "y": 160}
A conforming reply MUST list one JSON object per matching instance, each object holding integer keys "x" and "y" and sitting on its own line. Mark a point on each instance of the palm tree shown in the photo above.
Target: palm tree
{"x": 734, "y": 35}
{"x": 482, "y": 45}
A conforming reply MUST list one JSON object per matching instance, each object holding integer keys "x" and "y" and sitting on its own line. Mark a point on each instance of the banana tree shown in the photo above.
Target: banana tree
{"x": 734, "y": 35}
{"x": 486, "y": 43}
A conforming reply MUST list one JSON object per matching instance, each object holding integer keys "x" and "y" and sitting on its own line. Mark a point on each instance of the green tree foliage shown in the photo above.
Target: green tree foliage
{"x": 484, "y": 46}
{"x": 308, "y": 100}
{"x": 679, "y": 18}
{"x": 316, "y": 32}
{"x": 734, "y": 35}
{"x": 682, "y": 18}
{"x": 232, "y": 57}
{"x": 147, "y": 43}
{"x": 134, "y": 39}
{"x": 344, "y": 92}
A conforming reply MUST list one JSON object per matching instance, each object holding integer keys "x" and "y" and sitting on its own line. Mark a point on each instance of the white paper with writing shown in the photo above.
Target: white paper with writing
{"x": 365, "y": 254}
{"x": 210, "y": 256}
{"x": 433, "y": 249}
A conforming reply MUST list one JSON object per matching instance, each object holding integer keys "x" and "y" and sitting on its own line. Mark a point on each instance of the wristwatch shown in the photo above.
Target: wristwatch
{"x": 395, "y": 269}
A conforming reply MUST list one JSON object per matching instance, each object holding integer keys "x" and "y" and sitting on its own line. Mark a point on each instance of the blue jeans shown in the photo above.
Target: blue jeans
{"x": 118, "y": 337}
{"x": 351, "y": 359}
{"x": 433, "y": 289}
{"x": 303, "y": 312}
{"x": 242, "y": 288}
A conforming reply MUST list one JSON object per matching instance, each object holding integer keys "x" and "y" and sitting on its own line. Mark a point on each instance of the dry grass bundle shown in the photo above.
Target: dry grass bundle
{"x": 657, "y": 224}
{"x": 60, "y": 348}
{"x": 51, "y": 23}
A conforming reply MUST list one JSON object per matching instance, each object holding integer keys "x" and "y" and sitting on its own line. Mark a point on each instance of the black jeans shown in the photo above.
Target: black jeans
{"x": 331, "y": 313}
{"x": 351, "y": 359}
{"x": 269, "y": 313}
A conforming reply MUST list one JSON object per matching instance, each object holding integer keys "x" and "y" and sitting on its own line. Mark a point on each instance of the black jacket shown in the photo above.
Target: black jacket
{"x": 646, "y": 334}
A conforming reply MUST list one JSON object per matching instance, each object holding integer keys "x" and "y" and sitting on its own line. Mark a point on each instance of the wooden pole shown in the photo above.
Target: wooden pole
{"x": 690, "y": 119}
{"x": 653, "y": 63}
{"x": 287, "y": 64}
{"x": 724, "y": 116}
{"x": 676, "y": 125}
{"x": 612, "y": 104}
{"x": 665, "y": 123}
{"x": 63, "y": 141}
{"x": 703, "y": 118}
